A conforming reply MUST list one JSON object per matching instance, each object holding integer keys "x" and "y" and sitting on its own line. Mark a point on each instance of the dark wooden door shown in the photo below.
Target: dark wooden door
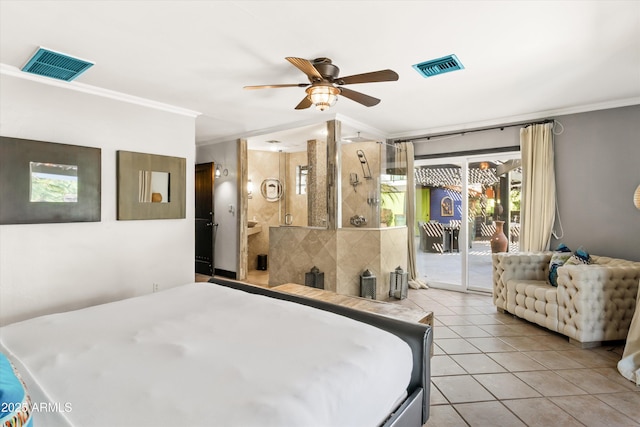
{"x": 205, "y": 225}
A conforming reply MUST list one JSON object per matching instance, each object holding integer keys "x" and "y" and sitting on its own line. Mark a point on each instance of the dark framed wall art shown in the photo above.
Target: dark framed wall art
{"x": 46, "y": 182}
{"x": 446, "y": 206}
{"x": 151, "y": 186}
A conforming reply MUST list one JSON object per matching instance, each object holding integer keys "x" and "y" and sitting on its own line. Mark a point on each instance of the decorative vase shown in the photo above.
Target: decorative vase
{"x": 499, "y": 241}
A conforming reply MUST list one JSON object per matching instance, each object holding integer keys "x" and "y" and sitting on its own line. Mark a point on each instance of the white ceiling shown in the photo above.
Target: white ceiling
{"x": 523, "y": 59}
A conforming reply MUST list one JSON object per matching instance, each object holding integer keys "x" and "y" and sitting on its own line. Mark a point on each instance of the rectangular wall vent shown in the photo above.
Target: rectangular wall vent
{"x": 56, "y": 65}
{"x": 438, "y": 66}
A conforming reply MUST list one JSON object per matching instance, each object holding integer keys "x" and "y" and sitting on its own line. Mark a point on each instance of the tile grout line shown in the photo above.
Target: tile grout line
{"x": 549, "y": 348}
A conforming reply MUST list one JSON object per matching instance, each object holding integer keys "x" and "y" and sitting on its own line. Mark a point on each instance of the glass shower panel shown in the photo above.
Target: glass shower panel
{"x": 294, "y": 171}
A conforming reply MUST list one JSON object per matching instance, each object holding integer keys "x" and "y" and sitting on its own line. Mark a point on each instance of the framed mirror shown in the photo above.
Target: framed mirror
{"x": 151, "y": 186}
{"x": 271, "y": 189}
{"x": 46, "y": 182}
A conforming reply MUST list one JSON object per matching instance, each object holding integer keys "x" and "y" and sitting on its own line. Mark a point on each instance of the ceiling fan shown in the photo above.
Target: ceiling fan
{"x": 324, "y": 84}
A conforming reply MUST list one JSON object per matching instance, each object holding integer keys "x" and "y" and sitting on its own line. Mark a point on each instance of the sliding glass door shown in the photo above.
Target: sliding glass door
{"x": 439, "y": 207}
{"x": 459, "y": 203}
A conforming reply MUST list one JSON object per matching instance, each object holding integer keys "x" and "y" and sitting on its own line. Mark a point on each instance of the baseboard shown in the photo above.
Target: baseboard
{"x": 227, "y": 274}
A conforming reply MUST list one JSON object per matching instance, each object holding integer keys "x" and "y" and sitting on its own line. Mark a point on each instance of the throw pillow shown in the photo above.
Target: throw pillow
{"x": 15, "y": 401}
{"x": 558, "y": 259}
{"x": 580, "y": 256}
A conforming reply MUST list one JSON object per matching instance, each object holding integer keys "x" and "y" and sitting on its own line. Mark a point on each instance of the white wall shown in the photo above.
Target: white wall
{"x": 46, "y": 268}
{"x": 226, "y": 202}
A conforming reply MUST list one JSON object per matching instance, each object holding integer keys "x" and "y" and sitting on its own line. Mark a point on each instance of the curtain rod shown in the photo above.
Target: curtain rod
{"x": 462, "y": 132}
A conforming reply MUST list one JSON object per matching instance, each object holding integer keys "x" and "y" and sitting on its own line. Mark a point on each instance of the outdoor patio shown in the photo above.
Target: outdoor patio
{"x": 442, "y": 269}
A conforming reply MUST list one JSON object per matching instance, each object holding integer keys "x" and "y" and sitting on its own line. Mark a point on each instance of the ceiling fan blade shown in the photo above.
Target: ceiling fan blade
{"x": 366, "y": 100}
{"x": 305, "y": 103}
{"x": 276, "y": 86}
{"x": 306, "y": 67}
{"x": 374, "y": 76}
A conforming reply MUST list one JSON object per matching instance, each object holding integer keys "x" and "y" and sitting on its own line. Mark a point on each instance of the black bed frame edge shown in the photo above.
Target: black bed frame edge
{"x": 414, "y": 411}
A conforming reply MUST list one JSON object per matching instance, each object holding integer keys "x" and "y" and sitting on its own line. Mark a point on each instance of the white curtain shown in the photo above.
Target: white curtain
{"x": 538, "y": 199}
{"x": 406, "y": 149}
{"x": 629, "y": 365}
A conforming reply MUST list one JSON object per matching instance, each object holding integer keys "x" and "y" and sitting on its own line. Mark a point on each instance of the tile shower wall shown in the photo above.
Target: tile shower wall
{"x": 261, "y": 165}
{"x": 380, "y": 250}
{"x": 295, "y": 204}
{"x": 295, "y": 250}
{"x": 354, "y": 199}
{"x": 317, "y": 183}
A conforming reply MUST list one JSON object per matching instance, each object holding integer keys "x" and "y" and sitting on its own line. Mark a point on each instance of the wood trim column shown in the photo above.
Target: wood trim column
{"x": 334, "y": 166}
{"x": 243, "y": 204}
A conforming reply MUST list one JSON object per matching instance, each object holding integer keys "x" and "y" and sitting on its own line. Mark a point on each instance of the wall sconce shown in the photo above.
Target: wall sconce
{"x": 636, "y": 197}
{"x": 250, "y": 189}
{"x": 398, "y": 283}
{"x": 314, "y": 278}
{"x": 220, "y": 171}
{"x": 368, "y": 285}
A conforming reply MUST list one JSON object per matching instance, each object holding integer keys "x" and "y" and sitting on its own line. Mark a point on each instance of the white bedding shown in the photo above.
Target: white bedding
{"x": 203, "y": 355}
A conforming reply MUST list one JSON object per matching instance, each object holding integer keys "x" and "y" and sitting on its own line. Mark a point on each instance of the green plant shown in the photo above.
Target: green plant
{"x": 514, "y": 198}
{"x": 386, "y": 216}
{"x": 389, "y": 191}
{"x": 388, "y": 198}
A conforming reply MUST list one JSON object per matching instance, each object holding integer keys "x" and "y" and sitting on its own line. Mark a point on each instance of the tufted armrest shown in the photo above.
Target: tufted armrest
{"x": 613, "y": 262}
{"x": 596, "y": 302}
{"x": 522, "y": 266}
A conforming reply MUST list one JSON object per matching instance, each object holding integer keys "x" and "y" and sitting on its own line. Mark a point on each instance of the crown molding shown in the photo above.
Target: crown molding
{"x": 548, "y": 114}
{"x": 9, "y": 70}
{"x": 376, "y": 133}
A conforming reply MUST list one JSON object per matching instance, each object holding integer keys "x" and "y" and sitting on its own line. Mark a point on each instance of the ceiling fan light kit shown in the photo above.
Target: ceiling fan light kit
{"x": 324, "y": 84}
{"x": 323, "y": 95}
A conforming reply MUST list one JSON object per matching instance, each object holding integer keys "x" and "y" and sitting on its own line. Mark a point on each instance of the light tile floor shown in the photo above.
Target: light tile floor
{"x": 493, "y": 369}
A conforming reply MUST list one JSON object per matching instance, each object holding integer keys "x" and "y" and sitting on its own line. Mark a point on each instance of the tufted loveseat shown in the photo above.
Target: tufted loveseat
{"x": 592, "y": 303}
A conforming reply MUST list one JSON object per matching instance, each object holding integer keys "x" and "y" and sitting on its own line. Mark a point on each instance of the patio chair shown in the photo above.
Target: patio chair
{"x": 487, "y": 230}
{"x": 514, "y": 232}
{"x": 434, "y": 237}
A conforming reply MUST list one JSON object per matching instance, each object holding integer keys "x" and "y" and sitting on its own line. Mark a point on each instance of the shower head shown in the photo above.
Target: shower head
{"x": 363, "y": 162}
{"x": 361, "y": 157}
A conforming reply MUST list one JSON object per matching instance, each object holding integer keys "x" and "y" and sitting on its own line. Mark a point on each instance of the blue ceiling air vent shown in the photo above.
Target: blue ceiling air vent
{"x": 438, "y": 66}
{"x": 56, "y": 65}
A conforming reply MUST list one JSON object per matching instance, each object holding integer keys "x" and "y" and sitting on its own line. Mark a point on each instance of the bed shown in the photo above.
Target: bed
{"x": 221, "y": 353}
